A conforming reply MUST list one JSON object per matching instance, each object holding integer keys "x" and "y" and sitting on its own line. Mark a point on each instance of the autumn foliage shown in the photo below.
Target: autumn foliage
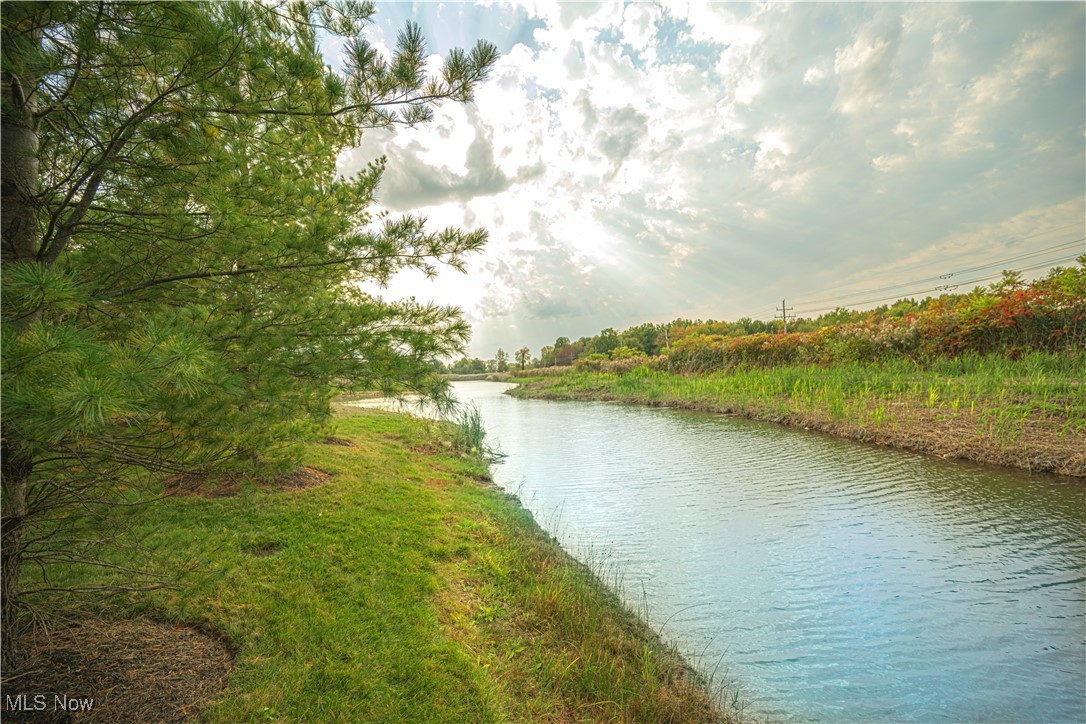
{"x": 1047, "y": 315}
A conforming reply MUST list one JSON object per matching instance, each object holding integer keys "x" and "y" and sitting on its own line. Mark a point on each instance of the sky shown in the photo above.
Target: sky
{"x": 645, "y": 162}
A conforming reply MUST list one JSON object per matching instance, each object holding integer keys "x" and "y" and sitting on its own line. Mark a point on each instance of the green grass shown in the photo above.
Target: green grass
{"x": 1025, "y": 412}
{"x": 469, "y": 435}
{"x": 406, "y": 589}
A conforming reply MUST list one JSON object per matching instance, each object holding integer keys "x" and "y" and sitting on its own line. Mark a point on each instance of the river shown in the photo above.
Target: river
{"x": 835, "y": 581}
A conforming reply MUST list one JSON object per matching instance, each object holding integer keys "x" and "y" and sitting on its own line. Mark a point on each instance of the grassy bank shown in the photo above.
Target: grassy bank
{"x": 404, "y": 588}
{"x": 1028, "y": 413}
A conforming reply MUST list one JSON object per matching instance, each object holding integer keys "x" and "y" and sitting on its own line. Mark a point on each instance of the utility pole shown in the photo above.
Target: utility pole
{"x": 784, "y": 315}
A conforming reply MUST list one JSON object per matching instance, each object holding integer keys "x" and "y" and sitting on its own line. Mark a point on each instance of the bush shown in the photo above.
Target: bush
{"x": 624, "y": 352}
{"x": 591, "y": 363}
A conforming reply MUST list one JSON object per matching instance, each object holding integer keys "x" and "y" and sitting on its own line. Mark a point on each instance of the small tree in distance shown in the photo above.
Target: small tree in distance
{"x": 546, "y": 356}
{"x": 522, "y": 356}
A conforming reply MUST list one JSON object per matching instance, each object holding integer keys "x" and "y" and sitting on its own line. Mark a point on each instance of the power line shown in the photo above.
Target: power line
{"x": 940, "y": 288}
{"x": 951, "y": 287}
{"x": 1068, "y": 244}
{"x": 970, "y": 252}
{"x": 950, "y": 275}
{"x": 946, "y": 260}
{"x": 843, "y": 301}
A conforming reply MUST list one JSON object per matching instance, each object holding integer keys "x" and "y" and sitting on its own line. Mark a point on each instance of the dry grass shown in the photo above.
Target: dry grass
{"x": 230, "y": 484}
{"x": 341, "y": 441}
{"x": 129, "y": 671}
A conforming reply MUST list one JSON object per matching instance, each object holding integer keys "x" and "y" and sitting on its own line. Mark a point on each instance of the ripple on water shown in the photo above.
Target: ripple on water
{"x": 837, "y": 581}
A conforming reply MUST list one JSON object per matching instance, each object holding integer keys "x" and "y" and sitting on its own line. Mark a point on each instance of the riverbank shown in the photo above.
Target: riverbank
{"x": 488, "y": 376}
{"x": 388, "y": 580}
{"x": 1028, "y": 413}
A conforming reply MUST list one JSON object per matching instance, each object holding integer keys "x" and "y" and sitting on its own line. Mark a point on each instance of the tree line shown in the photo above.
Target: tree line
{"x": 1010, "y": 316}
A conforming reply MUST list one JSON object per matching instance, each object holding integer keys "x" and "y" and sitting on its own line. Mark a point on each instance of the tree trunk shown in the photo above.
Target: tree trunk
{"x": 15, "y": 470}
{"x": 20, "y": 239}
{"x": 19, "y": 181}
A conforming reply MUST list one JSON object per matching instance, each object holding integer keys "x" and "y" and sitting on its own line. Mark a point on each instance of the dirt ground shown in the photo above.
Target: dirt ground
{"x": 116, "y": 671}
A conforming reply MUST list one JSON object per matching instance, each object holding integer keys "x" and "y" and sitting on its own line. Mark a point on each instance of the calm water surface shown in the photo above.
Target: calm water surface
{"x": 837, "y": 582}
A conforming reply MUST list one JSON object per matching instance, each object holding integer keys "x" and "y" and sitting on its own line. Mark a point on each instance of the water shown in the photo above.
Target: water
{"x": 835, "y": 581}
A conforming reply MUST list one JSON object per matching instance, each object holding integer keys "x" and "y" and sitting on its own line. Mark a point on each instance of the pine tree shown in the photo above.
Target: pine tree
{"x": 179, "y": 255}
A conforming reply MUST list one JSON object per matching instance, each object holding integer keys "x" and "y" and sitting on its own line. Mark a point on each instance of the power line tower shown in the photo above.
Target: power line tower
{"x": 784, "y": 315}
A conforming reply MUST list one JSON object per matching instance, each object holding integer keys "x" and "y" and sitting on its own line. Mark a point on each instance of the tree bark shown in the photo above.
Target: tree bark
{"x": 20, "y": 238}
{"x": 19, "y": 178}
{"x": 15, "y": 469}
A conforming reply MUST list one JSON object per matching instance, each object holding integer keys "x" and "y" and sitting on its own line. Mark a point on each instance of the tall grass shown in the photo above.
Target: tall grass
{"x": 470, "y": 435}
{"x": 1036, "y": 402}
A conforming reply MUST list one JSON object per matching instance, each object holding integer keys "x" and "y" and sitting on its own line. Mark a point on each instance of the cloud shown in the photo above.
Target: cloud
{"x": 642, "y": 162}
{"x": 416, "y": 177}
{"x": 888, "y": 163}
{"x": 814, "y": 76}
{"x": 622, "y": 131}
{"x": 865, "y": 68}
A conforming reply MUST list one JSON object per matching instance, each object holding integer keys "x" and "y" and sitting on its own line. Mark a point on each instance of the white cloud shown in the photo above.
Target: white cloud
{"x": 814, "y": 76}
{"x": 639, "y": 27}
{"x": 865, "y": 68}
{"x": 1034, "y": 60}
{"x": 637, "y": 162}
{"x": 888, "y": 163}
{"x": 678, "y": 252}
{"x": 772, "y": 152}
{"x": 713, "y": 22}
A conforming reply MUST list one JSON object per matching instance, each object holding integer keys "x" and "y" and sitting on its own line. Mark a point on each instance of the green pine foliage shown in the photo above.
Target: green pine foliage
{"x": 180, "y": 256}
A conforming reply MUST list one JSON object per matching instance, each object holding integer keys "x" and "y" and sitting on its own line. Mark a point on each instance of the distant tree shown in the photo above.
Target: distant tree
{"x": 564, "y": 355}
{"x": 646, "y": 337}
{"x": 522, "y": 356}
{"x": 903, "y": 308}
{"x": 605, "y": 341}
{"x": 469, "y": 366}
{"x": 546, "y": 356}
{"x": 501, "y": 361}
{"x": 1010, "y": 281}
{"x": 840, "y": 315}
{"x": 746, "y": 325}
